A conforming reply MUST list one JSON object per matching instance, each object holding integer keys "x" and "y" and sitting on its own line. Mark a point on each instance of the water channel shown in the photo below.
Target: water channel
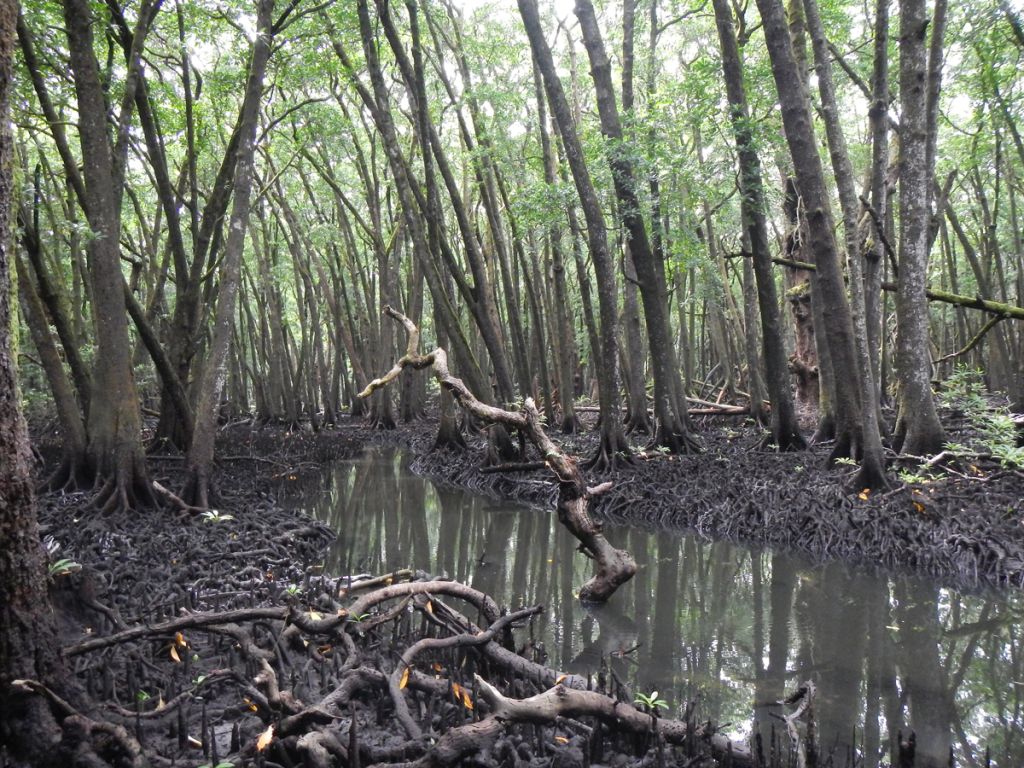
{"x": 726, "y": 627}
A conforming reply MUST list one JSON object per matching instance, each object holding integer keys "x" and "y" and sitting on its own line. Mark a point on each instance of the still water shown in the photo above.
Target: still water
{"x": 726, "y": 627}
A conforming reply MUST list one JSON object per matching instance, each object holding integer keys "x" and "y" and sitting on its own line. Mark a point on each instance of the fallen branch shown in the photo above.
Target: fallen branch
{"x": 970, "y": 302}
{"x": 613, "y": 566}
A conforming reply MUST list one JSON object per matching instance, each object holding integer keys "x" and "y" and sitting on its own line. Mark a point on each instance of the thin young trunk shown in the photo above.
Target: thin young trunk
{"x": 565, "y": 343}
{"x": 72, "y": 427}
{"x": 875, "y": 254}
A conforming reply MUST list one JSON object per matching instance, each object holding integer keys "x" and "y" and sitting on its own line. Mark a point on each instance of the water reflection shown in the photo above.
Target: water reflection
{"x": 712, "y": 623}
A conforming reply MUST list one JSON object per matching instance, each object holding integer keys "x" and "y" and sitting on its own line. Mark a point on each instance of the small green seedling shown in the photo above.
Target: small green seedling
{"x": 214, "y": 516}
{"x": 650, "y": 702}
{"x": 63, "y": 567}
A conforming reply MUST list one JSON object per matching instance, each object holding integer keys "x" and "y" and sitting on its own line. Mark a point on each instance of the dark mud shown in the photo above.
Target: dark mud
{"x": 963, "y": 525}
{"x": 195, "y": 686}
{"x": 202, "y": 637}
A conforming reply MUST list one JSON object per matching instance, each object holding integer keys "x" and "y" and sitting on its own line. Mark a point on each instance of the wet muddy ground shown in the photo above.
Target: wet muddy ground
{"x": 293, "y": 655}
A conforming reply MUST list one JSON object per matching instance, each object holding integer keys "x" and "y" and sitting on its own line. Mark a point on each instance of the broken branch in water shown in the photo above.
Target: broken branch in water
{"x": 614, "y": 566}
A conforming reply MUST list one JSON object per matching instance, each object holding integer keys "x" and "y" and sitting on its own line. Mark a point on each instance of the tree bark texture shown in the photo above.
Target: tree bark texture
{"x": 872, "y": 471}
{"x": 200, "y": 452}
{"x": 785, "y": 429}
{"x": 114, "y": 450}
{"x": 829, "y": 286}
{"x": 613, "y": 441}
{"x": 28, "y": 634}
{"x": 671, "y": 429}
{"x": 918, "y": 430}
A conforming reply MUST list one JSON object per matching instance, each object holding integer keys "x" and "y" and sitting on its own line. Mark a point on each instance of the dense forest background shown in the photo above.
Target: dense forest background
{"x": 810, "y": 212}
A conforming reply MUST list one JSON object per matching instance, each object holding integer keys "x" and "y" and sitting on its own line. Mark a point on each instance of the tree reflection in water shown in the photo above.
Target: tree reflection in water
{"x": 725, "y": 627}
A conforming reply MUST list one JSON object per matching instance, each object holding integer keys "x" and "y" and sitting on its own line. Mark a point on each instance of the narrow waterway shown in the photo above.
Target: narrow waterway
{"x": 712, "y": 623}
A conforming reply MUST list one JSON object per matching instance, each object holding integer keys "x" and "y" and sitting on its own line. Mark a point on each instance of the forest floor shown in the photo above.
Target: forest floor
{"x": 205, "y": 636}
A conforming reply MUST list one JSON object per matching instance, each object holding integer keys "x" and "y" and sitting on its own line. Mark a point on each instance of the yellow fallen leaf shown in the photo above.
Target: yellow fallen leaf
{"x": 437, "y": 667}
{"x": 405, "y": 679}
{"x": 315, "y": 615}
{"x": 863, "y": 495}
{"x": 919, "y": 506}
{"x": 560, "y": 678}
{"x": 467, "y": 700}
{"x": 160, "y": 703}
{"x": 174, "y": 655}
{"x": 194, "y": 742}
{"x": 429, "y": 607}
{"x": 179, "y": 640}
{"x": 265, "y": 738}
{"x": 561, "y": 739}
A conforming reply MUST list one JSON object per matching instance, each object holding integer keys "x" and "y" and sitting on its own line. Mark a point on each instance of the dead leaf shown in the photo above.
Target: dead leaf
{"x": 405, "y": 679}
{"x": 863, "y": 495}
{"x": 265, "y": 738}
{"x": 174, "y": 655}
{"x": 919, "y": 506}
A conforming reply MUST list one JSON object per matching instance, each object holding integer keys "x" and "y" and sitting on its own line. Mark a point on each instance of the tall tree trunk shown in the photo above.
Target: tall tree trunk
{"x": 872, "y": 471}
{"x": 671, "y": 428}
{"x": 114, "y": 450}
{"x": 199, "y": 459}
{"x": 29, "y": 648}
{"x": 875, "y": 254}
{"x": 785, "y": 429}
{"x": 72, "y": 427}
{"x": 564, "y": 338}
{"x": 637, "y": 419}
{"x": 918, "y": 430}
{"x": 828, "y": 283}
{"x": 613, "y": 441}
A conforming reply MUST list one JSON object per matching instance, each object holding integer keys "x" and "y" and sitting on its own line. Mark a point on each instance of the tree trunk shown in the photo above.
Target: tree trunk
{"x": 872, "y": 471}
{"x": 114, "y": 451}
{"x": 199, "y": 459}
{"x": 828, "y": 277}
{"x": 613, "y": 441}
{"x": 671, "y": 428}
{"x": 785, "y": 429}
{"x": 29, "y": 648}
{"x": 918, "y": 431}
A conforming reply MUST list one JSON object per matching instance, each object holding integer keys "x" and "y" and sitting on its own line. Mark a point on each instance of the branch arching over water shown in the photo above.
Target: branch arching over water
{"x": 614, "y": 566}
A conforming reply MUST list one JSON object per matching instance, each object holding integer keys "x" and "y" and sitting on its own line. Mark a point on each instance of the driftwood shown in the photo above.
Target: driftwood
{"x": 613, "y": 566}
